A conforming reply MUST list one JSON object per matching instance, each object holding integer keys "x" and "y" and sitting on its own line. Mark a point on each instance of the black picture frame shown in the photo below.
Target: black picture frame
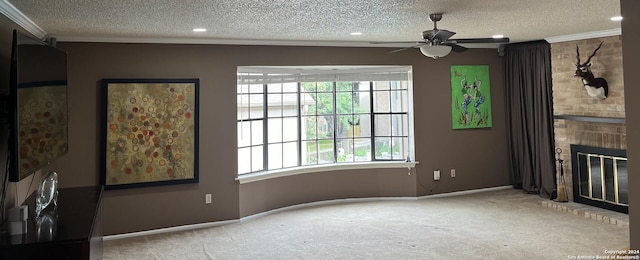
{"x": 149, "y": 132}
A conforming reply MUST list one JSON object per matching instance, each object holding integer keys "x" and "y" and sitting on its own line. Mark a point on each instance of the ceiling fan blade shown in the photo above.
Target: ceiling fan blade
{"x": 455, "y": 47}
{"x": 443, "y": 35}
{"x": 414, "y": 42}
{"x": 437, "y": 35}
{"x": 480, "y": 40}
{"x": 414, "y": 46}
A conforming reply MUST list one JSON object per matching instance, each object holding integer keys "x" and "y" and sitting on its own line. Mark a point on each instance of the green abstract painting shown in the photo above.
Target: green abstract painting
{"x": 470, "y": 97}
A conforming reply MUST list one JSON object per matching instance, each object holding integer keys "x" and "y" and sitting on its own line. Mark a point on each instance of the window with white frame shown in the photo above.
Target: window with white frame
{"x": 291, "y": 117}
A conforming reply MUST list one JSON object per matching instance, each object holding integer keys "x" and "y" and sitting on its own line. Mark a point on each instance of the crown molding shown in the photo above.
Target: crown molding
{"x": 583, "y": 36}
{"x": 22, "y": 20}
{"x": 65, "y": 38}
{"x": 187, "y": 40}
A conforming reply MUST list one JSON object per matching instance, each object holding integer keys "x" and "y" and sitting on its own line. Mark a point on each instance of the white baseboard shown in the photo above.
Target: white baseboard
{"x": 170, "y": 229}
{"x": 464, "y": 192}
{"x": 299, "y": 206}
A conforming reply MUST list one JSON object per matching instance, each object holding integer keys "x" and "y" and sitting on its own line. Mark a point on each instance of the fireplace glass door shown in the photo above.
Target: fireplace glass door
{"x": 601, "y": 180}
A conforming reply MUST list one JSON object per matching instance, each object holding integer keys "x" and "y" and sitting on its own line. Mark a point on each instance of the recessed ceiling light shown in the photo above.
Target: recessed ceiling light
{"x": 498, "y": 36}
{"x": 356, "y": 33}
{"x": 199, "y": 30}
{"x": 616, "y": 18}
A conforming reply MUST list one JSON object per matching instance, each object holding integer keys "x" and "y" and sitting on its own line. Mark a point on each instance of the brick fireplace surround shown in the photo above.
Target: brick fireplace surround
{"x": 570, "y": 98}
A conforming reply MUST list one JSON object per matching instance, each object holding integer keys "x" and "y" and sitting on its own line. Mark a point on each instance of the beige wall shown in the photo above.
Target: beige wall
{"x": 630, "y": 43}
{"x": 570, "y": 98}
{"x": 437, "y": 145}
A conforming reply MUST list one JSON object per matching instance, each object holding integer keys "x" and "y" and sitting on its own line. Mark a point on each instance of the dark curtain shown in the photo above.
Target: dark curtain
{"x": 530, "y": 116}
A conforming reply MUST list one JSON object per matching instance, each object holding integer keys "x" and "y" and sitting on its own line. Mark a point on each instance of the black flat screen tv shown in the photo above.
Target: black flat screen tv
{"x": 36, "y": 106}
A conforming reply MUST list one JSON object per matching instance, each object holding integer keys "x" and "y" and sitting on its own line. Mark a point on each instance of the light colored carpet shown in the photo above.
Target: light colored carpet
{"x": 504, "y": 224}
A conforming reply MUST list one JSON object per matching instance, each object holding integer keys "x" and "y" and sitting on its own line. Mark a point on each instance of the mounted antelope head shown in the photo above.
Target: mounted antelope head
{"x": 596, "y": 87}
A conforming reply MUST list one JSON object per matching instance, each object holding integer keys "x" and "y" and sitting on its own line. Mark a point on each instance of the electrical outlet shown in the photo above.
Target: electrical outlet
{"x": 207, "y": 198}
{"x": 436, "y": 175}
{"x": 453, "y": 173}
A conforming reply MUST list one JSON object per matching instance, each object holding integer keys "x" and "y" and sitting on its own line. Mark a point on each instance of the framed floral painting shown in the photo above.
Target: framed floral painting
{"x": 149, "y": 132}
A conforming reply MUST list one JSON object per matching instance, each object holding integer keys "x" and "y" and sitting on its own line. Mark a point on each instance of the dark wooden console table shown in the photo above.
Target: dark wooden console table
{"x": 76, "y": 234}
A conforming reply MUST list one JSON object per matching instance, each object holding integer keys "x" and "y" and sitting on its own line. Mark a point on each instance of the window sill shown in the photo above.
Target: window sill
{"x": 265, "y": 175}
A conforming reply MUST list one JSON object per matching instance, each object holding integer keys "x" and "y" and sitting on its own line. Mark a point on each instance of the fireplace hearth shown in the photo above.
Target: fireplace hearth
{"x": 600, "y": 177}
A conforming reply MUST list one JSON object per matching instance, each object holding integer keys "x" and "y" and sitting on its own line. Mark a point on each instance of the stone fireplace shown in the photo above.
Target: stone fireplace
{"x": 581, "y": 120}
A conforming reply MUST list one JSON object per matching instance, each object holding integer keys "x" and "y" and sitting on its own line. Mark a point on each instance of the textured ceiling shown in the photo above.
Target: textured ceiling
{"x": 314, "y": 22}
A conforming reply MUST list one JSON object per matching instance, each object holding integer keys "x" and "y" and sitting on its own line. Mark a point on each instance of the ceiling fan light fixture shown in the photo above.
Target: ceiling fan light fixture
{"x": 435, "y": 51}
